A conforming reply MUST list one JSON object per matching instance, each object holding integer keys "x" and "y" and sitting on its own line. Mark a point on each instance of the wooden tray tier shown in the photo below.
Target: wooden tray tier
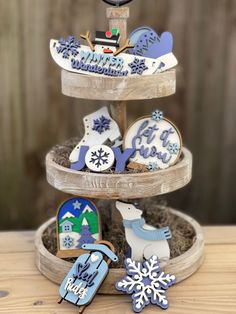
{"x": 118, "y": 88}
{"x": 119, "y": 186}
{"x": 182, "y": 266}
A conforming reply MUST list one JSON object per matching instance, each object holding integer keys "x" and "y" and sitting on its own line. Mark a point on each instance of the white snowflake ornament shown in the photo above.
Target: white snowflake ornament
{"x": 99, "y": 158}
{"x": 146, "y": 283}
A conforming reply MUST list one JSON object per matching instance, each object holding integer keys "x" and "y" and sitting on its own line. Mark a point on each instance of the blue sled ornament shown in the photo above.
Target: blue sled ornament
{"x": 87, "y": 274}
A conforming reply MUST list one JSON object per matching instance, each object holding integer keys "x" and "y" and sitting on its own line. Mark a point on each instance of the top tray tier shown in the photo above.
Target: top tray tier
{"x": 118, "y": 88}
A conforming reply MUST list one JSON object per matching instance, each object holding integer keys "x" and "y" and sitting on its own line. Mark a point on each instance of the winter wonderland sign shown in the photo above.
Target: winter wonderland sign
{"x": 77, "y": 223}
{"x": 104, "y": 56}
{"x": 156, "y": 140}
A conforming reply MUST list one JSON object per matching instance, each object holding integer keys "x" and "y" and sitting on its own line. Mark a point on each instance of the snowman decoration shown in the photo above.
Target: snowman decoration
{"x": 107, "y": 42}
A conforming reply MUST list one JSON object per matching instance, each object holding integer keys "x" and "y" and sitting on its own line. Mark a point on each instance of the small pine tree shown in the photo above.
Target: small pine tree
{"x": 85, "y": 235}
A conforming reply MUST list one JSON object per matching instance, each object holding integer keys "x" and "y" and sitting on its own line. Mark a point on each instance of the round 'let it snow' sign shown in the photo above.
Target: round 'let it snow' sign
{"x": 156, "y": 140}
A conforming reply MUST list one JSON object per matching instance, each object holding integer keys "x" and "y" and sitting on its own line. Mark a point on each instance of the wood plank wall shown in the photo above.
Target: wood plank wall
{"x": 34, "y": 115}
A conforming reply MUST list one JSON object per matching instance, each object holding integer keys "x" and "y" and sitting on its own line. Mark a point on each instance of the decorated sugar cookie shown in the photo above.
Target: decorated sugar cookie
{"x": 146, "y": 282}
{"x": 103, "y": 56}
{"x": 77, "y": 223}
{"x": 156, "y": 140}
{"x": 144, "y": 240}
{"x": 87, "y": 274}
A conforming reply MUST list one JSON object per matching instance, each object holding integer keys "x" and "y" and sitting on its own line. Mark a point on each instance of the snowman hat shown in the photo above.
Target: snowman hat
{"x": 109, "y": 38}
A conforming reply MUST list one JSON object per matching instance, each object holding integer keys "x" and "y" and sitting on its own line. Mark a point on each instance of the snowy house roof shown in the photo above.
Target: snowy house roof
{"x": 66, "y": 222}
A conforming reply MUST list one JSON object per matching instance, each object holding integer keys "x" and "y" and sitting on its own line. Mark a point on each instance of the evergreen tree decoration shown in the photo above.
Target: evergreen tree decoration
{"x": 85, "y": 235}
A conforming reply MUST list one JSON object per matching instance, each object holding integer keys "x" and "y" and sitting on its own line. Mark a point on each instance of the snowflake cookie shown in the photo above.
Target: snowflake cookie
{"x": 146, "y": 283}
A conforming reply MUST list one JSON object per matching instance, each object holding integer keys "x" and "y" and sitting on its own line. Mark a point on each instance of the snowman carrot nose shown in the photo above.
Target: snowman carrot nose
{"x": 107, "y": 50}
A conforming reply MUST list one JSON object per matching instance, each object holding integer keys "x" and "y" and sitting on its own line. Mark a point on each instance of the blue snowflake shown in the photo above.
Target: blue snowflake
{"x": 68, "y": 242}
{"x": 68, "y": 46}
{"x": 157, "y": 115}
{"x": 146, "y": 283}
{"x": 152, "y": 166}
{"x": 101, "y": 124}
{"x": 99, "y": 157}
{"x": 173, "y": 148}
{"x": 138, "y": 66}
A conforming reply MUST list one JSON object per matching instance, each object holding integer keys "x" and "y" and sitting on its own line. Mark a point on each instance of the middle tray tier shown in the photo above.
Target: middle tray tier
{"x": 121, "y": 185}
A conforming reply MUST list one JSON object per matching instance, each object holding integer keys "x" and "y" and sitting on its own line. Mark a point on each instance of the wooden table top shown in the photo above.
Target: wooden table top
{"x": 211, "y": 290}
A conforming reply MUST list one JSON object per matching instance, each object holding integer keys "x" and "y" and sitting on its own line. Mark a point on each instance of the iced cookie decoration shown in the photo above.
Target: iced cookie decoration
{"x": 144, "y": 240}
{"x": 77, "y": 223}
{"x": 99, "y": 127}
{"x": 147, "y": 43}
{"x": 156, "y": 140}
{"x": 104, "y": 55}
{"x": 87, "y": 274}
{"x": 146, "y": 282}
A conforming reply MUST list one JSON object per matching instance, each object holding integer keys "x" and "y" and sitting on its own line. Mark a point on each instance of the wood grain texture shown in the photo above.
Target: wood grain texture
{"x": 118, "y": 88}
{"x": 117, "y": 18}
{"x": 212, "y": 289}
{"x": 118, "y": 113}
{"x": 182, "y": 266}
{"x": 120, "y": 186}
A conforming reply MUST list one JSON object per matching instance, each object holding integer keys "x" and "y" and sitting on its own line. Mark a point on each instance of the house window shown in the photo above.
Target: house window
{"x": 67, "y": 228}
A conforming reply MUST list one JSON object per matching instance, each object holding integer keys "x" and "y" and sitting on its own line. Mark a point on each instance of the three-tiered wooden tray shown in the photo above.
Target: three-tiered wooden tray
{"x": 120, "y": 186}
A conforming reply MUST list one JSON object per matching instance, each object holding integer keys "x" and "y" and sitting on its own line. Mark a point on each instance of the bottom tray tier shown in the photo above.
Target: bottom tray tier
{"x": 182, "y": 266}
